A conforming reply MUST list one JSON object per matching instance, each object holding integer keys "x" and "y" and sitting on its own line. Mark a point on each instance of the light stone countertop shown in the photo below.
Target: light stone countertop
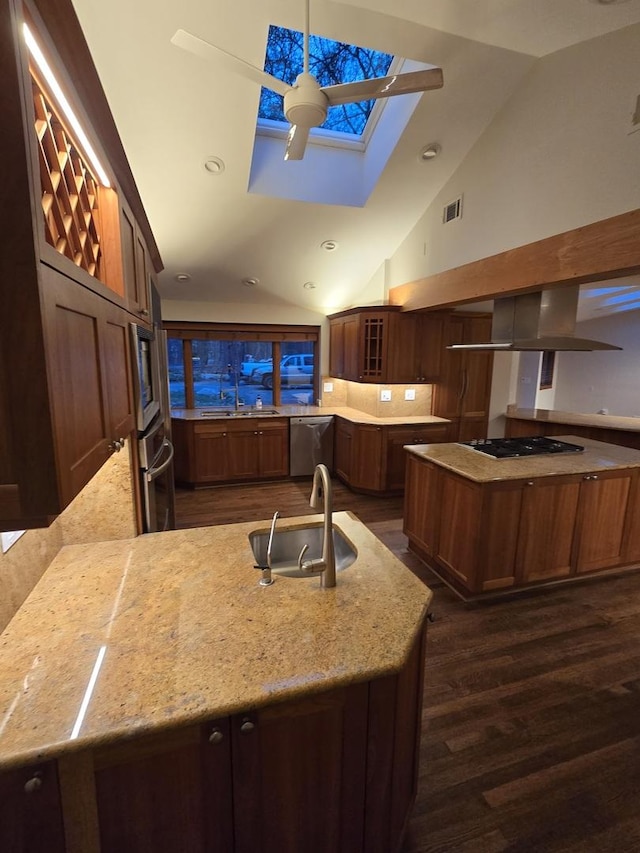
{"x": 477, "y": 466}
{"x": 576, "y": 418}
{"x": 353, "y": 415}
{"x": 176, "y": 630}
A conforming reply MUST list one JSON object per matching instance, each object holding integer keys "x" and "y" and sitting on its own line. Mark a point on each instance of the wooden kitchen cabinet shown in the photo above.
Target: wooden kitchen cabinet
{"x": 335, "y": 772}
{"x": 463, "y": 392}
{"x": 135, "y": 264}
{"x": 87, "y": 341}
{"x": 396, "y": 439}
{"x": 65, "y": 391}
{"x": 510, "y": 533}
{"x": 371, "y": 458}
{"x": 385, "y": 345}
{"x": 30, "y": 811}
{"x": 227, "y": 450}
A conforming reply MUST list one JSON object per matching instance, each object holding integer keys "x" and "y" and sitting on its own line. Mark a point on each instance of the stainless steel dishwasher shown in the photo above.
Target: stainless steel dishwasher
{"x": 310, "y": 442}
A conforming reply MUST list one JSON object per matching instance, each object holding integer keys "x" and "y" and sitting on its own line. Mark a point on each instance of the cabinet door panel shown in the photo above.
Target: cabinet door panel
{"x": 242, "y": 447}
{"x": 211, "y": 456}
{"x": 76, "y": 371}
{"x": 351, "y": 349}
{"x": 501, "y": 511}
{"x": 169, "y": 794}
{"x": 421, "y": 506}
{"x": 117, "y": 372}
{"x": 601, "y": 521}
{"x": 298, "y": 754}
{"x": 549, "y": 508}
{"x": 460, "y": 529}
{"x": 368, "y": 462}
{"x": 274, "y": 451}
{"x": 31, "y": 822}
{"x": 343, "y": 451}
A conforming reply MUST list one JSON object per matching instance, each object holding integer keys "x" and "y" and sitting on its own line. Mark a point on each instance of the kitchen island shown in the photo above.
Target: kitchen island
{"x": 155, "y": 697}
{"x": 489, "y": 525}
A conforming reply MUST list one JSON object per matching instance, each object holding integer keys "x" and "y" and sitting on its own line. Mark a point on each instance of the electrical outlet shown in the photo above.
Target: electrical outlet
{"x": 410, "y": 394}
{"x": 327, "y": 387}
{"x": 385, "y": 396}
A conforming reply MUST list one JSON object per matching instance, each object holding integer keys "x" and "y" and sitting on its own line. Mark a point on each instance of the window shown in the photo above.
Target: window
{"x": 224, "y": 365}
{"x": 330, "y": 62}
{"x": 546, "y": 370}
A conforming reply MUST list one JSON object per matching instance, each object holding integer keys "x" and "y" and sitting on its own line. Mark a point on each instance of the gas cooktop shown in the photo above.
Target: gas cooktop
{"x": 509, "y": 448}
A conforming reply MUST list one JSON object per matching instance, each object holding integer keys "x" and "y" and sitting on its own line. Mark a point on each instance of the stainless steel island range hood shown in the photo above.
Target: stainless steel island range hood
{"x": 540, "y": 321}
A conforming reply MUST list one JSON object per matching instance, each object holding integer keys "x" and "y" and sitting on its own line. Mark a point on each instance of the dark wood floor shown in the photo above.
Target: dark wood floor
{"x": 531, "y": 733}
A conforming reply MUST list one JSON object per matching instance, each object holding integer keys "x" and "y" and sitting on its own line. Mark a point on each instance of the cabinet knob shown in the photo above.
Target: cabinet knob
{"x": 247, "y": 727}
{"x": 116, "y": 445}
{"x": 594, "y": 476}
{"x": 529, "y": 483}
{"x": 144, "y": 312}
{"x": 216, "y": 736}
{"x": 34, "y": 784}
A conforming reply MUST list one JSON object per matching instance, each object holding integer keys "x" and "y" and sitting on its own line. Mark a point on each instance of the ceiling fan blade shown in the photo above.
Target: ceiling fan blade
{"x": 296, "y": 142}
{"x": 193, "y": 44}
{"x": 384, "y": 87}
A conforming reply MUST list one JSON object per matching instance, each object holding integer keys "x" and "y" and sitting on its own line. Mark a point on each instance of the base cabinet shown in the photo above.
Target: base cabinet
{"x": 371, "y": 459}
{"x": 335, "y": 772}
{"x": 221, "y": 451}
{"x": 506, "y": 534}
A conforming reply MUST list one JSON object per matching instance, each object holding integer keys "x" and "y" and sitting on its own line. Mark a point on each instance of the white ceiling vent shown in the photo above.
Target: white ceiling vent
{"x": 452, "y": 211}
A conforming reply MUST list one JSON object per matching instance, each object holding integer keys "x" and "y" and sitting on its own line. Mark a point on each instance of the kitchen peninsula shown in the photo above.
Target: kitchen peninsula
{"x": 153, "y": 696}
{"x": 488, "y": 525}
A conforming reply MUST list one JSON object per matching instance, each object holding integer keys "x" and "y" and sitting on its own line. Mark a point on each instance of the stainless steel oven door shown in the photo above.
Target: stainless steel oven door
{"x": 156, "y": 459}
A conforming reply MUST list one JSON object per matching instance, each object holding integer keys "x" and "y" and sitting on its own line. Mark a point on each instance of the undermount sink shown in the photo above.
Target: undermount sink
{"x": 287, "y": 545}
{"x": 239, "y": 413}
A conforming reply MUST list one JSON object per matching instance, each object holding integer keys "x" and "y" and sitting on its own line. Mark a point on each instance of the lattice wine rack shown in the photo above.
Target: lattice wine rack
{"x": 69, "y": 191}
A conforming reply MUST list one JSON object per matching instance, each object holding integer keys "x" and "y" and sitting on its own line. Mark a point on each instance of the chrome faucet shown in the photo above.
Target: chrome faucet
{"x": 327, "y": 562}
{"x": 266, "y": 579}
{"x": 232, "y": 370}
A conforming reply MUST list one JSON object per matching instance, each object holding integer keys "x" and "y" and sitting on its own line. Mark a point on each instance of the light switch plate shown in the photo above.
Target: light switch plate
{"x": 385, "y": 396}
{"x": 327, "y": 386}
{"x": 410, "y": 394}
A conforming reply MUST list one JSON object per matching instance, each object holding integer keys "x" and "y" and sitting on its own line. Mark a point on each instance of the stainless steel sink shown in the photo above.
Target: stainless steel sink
{"x": 240, "y": 413}
{"x": 287, "y": 545}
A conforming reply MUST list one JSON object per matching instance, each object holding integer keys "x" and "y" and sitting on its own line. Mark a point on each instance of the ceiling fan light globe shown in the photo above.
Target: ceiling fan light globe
{"x": 305, "y": 104}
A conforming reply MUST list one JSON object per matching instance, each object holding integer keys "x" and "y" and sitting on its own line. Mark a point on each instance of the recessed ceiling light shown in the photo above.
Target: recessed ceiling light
{"x": 429, "y": 152}
{"x": 183, "y": 276}
{"x": 329, "y": 245}
{"x": 309, "y": 285}
{"x": 250, "y": 282}
{"x": 214, "y": 165}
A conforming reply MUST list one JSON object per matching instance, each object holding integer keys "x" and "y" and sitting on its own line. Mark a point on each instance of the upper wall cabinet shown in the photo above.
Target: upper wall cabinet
{"x": 384, "y": 345}
{"x": 65, "y": 396}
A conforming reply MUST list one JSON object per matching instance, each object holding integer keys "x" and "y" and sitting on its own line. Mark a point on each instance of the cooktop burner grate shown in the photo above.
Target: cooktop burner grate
{"x": 510, "y": 448}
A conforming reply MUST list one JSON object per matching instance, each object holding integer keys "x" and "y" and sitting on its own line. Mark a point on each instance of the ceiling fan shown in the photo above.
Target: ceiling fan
{"x": 306, "y": 102}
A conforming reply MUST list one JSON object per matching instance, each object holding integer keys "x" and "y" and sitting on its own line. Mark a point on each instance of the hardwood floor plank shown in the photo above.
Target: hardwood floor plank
{"x": 531, "y": 721}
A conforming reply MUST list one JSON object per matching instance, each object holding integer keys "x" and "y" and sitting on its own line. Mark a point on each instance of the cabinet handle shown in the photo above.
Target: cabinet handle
{"x": 116, "y": 445}
{"x": 144, "y": 312}
{"x": 247, "y": 727}
{"x": 216, "y": 736}
{"x": 34, "y": 784}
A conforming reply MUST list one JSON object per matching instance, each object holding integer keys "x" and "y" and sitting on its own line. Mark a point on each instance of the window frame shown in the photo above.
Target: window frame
{"x": 188, "y": 331}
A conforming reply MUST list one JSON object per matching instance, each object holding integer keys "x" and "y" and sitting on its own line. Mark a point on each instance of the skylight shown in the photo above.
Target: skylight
{"x": 331, "y": 63}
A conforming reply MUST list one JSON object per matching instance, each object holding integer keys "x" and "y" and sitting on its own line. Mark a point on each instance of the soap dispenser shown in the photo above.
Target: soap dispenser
{"x": 258, "y": 402}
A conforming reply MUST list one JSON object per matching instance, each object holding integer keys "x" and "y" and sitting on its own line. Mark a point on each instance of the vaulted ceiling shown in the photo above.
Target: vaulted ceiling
{"x": 174, "y": 112}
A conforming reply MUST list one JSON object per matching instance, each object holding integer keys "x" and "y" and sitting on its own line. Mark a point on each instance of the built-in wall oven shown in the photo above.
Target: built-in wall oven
{"x": 155, "y": 451}
{"x": 156, "y": 475}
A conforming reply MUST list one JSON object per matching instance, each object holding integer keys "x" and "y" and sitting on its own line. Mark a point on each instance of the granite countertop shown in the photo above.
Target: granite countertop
{"x": 174, "y": 629}
{"x": 353, "y": 415}
{"x": 576, "y": 418}
{"x": 474, "y": 465}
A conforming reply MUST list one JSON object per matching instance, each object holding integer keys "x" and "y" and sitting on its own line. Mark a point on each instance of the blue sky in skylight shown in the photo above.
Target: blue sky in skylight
{"x": 330, "y": 62}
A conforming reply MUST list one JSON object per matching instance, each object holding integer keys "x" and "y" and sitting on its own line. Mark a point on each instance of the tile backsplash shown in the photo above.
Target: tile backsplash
{"x": 105, "y": 509}
{"x": 366, "y": 398}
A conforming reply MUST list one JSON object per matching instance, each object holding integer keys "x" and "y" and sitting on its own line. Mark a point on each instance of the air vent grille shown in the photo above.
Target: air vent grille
{"x": 452, "y": 211}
